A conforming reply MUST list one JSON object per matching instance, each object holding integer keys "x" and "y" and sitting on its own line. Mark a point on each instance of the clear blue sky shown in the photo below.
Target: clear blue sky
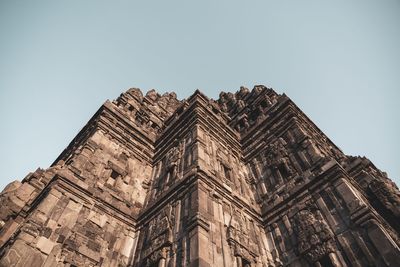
{"x": 60, "y": 60}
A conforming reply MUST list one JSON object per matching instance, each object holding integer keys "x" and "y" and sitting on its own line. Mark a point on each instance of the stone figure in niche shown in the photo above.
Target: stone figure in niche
{"x": 314, "y": 238}
{"x": 172, "y": 162}
{"x": 245, "y": 122}
{"x": 277, "y": 160}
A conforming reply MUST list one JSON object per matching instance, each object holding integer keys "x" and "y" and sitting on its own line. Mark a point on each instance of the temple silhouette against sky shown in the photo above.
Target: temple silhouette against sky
{"x": 245, "y": 180}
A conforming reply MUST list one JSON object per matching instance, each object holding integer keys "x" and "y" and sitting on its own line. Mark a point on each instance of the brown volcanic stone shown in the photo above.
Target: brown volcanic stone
{"x": 245, "y": 180}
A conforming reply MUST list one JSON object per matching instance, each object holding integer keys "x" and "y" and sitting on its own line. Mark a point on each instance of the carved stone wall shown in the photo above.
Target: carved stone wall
{"x": 245, "y": 180}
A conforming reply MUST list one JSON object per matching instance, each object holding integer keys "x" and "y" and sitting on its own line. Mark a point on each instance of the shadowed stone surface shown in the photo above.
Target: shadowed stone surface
{"x": 245, "y": 180}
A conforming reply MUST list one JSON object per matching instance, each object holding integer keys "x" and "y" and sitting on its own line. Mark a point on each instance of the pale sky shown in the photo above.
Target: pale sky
{"x": 339, "y": 61}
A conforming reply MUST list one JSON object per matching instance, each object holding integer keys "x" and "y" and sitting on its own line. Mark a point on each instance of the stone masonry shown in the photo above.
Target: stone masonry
{"x": 245, "y": 180}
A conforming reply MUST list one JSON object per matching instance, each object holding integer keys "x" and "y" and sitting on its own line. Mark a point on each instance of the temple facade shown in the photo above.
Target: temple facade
{"x": 245, "y": 180}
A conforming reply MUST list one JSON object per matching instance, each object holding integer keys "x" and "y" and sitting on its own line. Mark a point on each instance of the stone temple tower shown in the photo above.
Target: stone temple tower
{"x": 245, "y": 180}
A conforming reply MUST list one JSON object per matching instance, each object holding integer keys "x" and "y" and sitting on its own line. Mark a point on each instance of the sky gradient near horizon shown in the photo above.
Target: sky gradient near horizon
{"x": 339, "y": 61}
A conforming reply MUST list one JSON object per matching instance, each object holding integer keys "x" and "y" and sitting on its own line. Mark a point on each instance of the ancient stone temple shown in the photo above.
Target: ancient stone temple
{"x": 245, "y": 180}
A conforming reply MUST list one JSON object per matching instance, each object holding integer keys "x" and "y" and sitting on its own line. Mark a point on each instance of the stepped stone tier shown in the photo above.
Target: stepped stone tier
{"x": 245, "y": 180}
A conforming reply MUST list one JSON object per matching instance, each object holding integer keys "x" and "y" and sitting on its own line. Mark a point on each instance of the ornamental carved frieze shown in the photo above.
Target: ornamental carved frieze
{"x": 314, "y": 238}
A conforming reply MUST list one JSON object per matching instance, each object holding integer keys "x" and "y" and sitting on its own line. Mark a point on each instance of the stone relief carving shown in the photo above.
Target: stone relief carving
{"x": 277, "y": 159}
{"x": 314, "y": 238}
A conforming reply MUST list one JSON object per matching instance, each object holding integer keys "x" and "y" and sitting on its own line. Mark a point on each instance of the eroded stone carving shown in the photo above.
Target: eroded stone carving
{"x": 315, "y": 239}
{"x": 278, "y": 161}
{"x": 387, "y": 193}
